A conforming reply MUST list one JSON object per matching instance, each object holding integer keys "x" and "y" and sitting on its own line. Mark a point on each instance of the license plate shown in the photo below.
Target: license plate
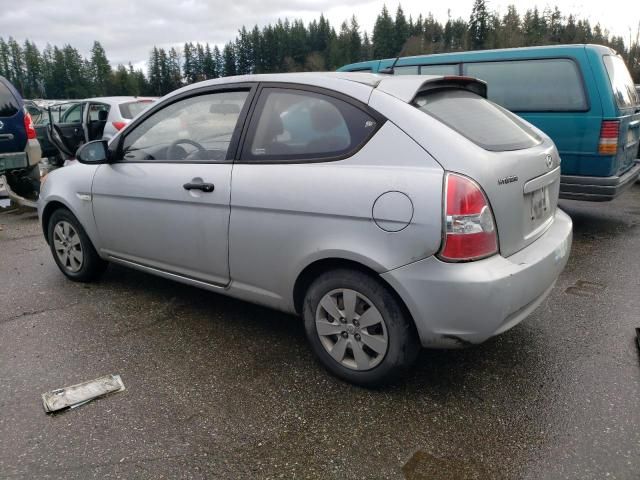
{"x": 540, "y": 203}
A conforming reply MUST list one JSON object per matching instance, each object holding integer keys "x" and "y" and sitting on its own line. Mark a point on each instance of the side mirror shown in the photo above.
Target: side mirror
{"x": 93, "y": 153}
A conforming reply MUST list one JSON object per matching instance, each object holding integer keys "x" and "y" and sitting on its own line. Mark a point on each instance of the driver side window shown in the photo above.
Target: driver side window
{"x": 194, "y": 129}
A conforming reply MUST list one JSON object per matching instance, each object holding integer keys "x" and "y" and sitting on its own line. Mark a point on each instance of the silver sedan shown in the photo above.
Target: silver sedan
{"x": 389, "y": 212}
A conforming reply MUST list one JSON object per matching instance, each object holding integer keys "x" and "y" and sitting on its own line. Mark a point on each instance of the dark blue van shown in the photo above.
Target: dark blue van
{"x": 582, "y": 96}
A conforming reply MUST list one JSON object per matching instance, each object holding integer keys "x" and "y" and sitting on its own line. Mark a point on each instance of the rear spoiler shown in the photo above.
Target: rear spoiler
{"x": 407, "y": 87}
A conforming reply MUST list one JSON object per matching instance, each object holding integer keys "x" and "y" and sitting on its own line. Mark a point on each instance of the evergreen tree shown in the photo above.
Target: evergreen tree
{"x": 478, "y": 25}
{"x": 5, "y": 59}
{"x": 384, "y": 36}
{"x": 100, "y": 70}
{"x": 400, "y": 31}
{"x": 34, "y": 84}
{"x": 155, "y": 75}
{"x": 174, "y": 69}
{"x": 367, "y": 48}
{"x": 229, "y": 60}
{"x": 208, "y": 65}
{"x": 355, "y": 41}
{"x": 189, "y": 63}
{"x": 16, "y": 67}
{"x": 244, "y": 55}
{"x": 218, "y": 62}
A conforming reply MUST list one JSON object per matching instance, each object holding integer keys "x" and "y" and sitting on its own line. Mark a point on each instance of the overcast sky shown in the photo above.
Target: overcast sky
{"x": 129, "y": 28}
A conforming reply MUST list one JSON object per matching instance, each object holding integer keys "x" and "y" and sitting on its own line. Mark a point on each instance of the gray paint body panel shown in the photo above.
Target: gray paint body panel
{"x": 286, "y": 216}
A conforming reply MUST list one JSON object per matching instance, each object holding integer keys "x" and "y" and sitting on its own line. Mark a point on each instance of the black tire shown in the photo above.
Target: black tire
{"x": 402, "y": 339}
{"x": 92, "y": 266}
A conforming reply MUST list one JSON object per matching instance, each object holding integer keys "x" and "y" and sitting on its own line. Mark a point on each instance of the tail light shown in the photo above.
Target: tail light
{"x": 118, "y": 125}
{"x": 28, "y": 126}
{"x": 470, "y": 231}
{"x": 609, "y": 132}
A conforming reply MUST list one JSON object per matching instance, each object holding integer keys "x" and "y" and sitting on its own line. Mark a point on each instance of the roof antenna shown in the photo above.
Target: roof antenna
{"x": 390, "y": 70}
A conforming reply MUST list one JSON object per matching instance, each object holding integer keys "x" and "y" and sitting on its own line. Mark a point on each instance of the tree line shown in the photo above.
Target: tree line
{"x": 291, "y": 46}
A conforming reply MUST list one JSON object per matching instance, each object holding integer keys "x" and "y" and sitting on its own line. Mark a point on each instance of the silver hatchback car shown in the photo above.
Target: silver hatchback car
{"x": 389, "y": 212}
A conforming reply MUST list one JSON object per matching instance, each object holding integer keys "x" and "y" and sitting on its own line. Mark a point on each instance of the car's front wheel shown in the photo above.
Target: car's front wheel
{"x": 72, "y": 249}
{"x": 358, "y": 329}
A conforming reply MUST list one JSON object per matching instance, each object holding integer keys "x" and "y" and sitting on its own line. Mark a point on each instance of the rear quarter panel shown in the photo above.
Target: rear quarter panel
{"x": 286, "y": 216}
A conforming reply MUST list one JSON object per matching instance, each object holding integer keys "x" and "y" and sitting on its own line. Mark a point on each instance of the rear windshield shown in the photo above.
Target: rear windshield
{"x": 484, "y": 123}
{"x": 8, "y": 103}
{"x": 621, "y": 82}
{"x": 131, "y": 109}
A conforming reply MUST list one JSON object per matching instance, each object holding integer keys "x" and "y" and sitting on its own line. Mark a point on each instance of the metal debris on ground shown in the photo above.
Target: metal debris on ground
{"x": 77, "y": 395}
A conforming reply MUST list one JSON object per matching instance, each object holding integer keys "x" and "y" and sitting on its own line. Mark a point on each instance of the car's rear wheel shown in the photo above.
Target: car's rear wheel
{"x": 72, "y": 249}
{"x": 358, "y": 329}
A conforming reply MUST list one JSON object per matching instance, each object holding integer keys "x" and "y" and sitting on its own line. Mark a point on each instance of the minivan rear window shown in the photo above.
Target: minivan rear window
{"x": 621, "y": 82}
{"x": 481, "y": 121}
{"x": 539, "y": 85}
{"x": 131, "y": 109}
{"x": 8, "y": 103}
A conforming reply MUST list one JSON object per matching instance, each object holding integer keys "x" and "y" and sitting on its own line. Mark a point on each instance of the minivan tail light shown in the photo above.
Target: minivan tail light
{"x": 469, "y": 231}
{"x": 118, "y": 125}
{"x": 28, "y": 126}
{"x": 609, "y": 132}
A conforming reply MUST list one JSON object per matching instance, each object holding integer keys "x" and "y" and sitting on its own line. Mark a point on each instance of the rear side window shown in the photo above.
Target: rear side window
{"x": 407, "y": 70}
{"x": 94, "y": 112}
{"x": 295, "y": 125}
{"x": 546, "y": 85}
{"x": 439, "y": 70}
{"x": 621, "y": 82}
{"x": 8, "y": 103}
{"x": 481, "y": 121}
{"x": 131, "y": 109}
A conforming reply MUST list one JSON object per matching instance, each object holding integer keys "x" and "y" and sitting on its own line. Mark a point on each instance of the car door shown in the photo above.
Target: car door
{"x": 299, "y": 185}
{"x": 66, "y": 126}
{"x": 164, "y": 203}
{"x": 97, "y": 114}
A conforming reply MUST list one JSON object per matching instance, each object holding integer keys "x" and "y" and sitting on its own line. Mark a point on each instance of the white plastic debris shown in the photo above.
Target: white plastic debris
{"x": 76, "y": 395}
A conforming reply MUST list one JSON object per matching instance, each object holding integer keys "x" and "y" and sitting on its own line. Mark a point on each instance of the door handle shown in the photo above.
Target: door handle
{"x": 205, "y": 187}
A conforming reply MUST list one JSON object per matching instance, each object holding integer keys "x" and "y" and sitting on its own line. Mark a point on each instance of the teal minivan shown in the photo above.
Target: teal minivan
{"x": 582, "y": 96}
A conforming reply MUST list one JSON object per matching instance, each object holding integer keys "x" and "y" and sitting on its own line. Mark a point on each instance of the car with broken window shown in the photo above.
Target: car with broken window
{"x": 388, "y": 212}
{"x": 73, "y": 123}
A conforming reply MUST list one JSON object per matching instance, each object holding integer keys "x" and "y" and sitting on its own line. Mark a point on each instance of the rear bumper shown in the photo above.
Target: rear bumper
{"x": 31, "y": 156}
{"x": 13, "y": 161}
{"x": 597, "y": 189}
{"x": 454, "y": 304}
{"x": 34, "y": 152}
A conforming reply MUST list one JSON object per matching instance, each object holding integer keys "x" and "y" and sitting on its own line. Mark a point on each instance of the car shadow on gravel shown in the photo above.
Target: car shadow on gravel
{"x": 441, "y": 372}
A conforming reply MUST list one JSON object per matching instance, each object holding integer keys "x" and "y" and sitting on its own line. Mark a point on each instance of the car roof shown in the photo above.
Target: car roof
{"x": 358, "y": 85}
{"x": 516, "y": 53}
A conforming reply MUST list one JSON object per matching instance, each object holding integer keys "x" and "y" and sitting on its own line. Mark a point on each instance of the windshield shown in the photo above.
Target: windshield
{"x": 621, "y": 82}
{"x": 132, "y": 109}
{"x": 481, "y": 121}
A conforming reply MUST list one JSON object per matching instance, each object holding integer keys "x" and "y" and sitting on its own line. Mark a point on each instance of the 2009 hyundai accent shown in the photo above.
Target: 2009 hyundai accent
{"x": 389, "y": 212}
